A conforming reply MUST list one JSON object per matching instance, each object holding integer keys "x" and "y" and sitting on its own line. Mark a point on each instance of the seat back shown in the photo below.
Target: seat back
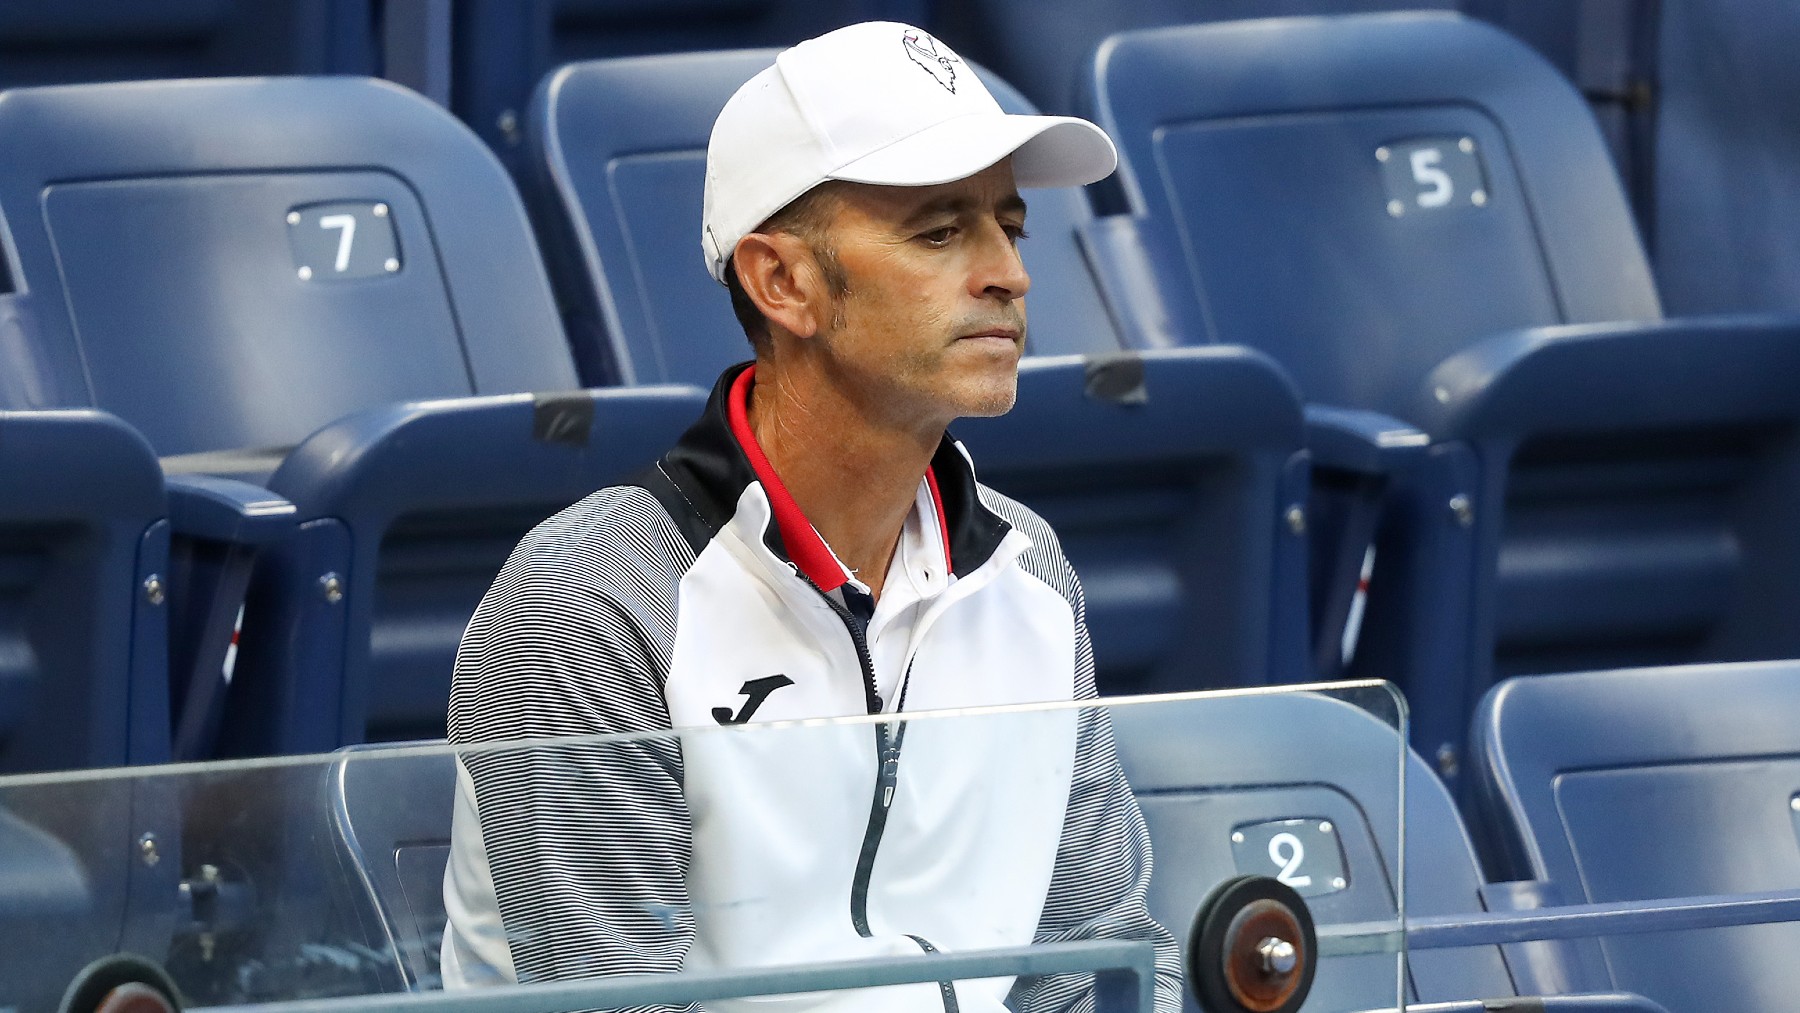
{"x": 234, "y": 263}
{"x": 48, "y": 42}
{"x": 1415, "y": 214}
{"x": 503, "y": 48}
{"x": 618, "y": 165}
{"x": 84, "y": 556}
{"x": 1209, "y": 768}
{"x": 1016, "y": 37}
{"x": 1727, "y": 194}
{"x": 389, "y": 810}
{"x": 1363, "y": 196}
{"x": 1647, "y": 784}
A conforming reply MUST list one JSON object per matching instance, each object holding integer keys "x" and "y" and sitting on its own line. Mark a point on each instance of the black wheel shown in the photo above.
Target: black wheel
{"x": 121, "y": 983}
{"x": 1252, "y": 948}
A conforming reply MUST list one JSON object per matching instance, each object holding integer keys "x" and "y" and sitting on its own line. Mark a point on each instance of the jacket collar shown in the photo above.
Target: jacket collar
{"x": 719, "y": 457}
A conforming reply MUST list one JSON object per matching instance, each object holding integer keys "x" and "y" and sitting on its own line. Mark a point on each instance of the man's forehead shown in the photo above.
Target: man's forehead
{"x": 990, "y": 190}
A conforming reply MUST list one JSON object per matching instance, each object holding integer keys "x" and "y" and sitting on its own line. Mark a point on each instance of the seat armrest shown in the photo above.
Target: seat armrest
{"x": 1605, "y": 378}
{"x": 1363, "y": 442}
{"x": 227, "y": 510}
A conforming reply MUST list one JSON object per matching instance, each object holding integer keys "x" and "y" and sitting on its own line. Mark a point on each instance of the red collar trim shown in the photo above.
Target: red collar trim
{"x": 804, "y": 546}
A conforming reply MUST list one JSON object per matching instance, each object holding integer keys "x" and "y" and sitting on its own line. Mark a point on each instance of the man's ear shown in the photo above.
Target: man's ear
{"x": 779, "y": 274}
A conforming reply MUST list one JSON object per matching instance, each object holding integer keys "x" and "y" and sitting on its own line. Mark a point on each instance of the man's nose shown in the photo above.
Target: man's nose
{"x": 999, "y": 272}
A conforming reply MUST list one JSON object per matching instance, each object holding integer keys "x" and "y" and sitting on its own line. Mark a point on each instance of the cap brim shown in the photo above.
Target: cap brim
{"x": 1048, "y": 151}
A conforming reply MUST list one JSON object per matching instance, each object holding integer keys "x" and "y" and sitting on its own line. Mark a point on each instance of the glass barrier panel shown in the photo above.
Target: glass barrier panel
{"x": 996, "y": 858}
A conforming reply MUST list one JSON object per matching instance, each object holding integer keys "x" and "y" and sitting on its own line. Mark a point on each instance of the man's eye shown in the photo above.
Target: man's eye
{"x": 939, "y": 237}
{"x": 1017, "y": 232}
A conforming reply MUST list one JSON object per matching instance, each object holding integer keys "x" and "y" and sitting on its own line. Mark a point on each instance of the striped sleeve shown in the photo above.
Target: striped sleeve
{"x": 588, "y": 841}
{"x": 1101, "y": 882}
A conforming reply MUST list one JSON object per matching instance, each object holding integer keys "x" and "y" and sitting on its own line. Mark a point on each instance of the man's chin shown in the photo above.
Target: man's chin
{"x": 991, "y": 399}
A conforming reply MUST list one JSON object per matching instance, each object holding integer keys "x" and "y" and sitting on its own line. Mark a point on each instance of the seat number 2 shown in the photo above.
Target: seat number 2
{"x": 1304, "y": 853}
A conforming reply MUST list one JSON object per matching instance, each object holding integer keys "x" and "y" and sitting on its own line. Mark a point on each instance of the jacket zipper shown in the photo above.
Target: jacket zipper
{"x": 946, "y": 990}
{"x": 888, "y": 738}
{"x": 887, "y": 748}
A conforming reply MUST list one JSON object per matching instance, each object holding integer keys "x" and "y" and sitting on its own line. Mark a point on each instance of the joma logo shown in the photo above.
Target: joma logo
{"x": 755, "y": 692}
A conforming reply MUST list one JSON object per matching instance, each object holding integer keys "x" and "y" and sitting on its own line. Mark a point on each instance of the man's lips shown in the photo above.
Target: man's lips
{"x": 1005, "y": 333}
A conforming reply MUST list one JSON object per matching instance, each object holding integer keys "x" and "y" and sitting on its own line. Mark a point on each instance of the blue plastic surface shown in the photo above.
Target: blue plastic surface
{"x": 227, "y": 510}
{"x": 404, "y": 516}
{"x": 83, "y": 683}
{"x": 1041, "y": 45}
{"x": 1257, "y": 144}
{"x": 1633, "y": 494}
{"x": 503, "y": 47}
{"x": 226, "y": 346}
{"x": 1651, "y": 783}
{"x": 82, "y": 666}
{"x": 52, "y": 42}
{"x": 1172, "y": 509}
{"x": 1727, "y": 193}
{"x": 251, "y": 340}
{"x": 1202, "y": 769}
{"x": 1594, "y": 519}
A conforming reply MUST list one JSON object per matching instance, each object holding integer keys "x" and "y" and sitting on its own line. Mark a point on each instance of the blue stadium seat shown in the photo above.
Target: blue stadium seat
{"x": 1207, "y": 768}
{"x": 1727, "y": 187}
{"x": 84, "y": 561}
{"x": 83, "y": 634}
{"x": 1608, "y": 51}
{"x": 51, "y": 42}
{"x": 502, "y": 48}
{"x": 1653, "y": 784}
{"x": 1415, "y": 215}
{"x": 1167, "y": 475}
{"x": 389, "y": 809}
{"x": 1041, "y": 45}
{"x": 42, "y": 882}
{"x": 231, "y": 265}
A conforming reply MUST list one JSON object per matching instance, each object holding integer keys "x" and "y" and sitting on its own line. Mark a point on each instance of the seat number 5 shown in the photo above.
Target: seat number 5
{"x": 1427, "y": 170}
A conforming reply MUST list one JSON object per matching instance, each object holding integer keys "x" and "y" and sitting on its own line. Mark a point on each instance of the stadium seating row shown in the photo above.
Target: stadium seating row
{"x": 1689, "y": 94}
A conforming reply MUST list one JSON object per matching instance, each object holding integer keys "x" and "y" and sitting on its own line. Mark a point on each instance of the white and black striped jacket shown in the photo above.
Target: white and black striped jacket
{"x": 675, "y": 602}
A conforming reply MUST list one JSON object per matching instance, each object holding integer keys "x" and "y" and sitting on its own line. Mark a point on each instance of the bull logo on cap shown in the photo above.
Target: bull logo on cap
{"x": 923, "y": 50}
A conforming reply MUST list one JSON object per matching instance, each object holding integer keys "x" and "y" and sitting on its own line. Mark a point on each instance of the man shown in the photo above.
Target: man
{"x": 815, "y": 546}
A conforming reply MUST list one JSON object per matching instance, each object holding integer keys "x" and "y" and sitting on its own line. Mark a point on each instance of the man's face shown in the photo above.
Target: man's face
{"x": 933, "y": 324}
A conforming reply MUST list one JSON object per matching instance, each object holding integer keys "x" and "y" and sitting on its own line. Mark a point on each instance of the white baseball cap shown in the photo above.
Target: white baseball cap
{"x": 878, "y": 102}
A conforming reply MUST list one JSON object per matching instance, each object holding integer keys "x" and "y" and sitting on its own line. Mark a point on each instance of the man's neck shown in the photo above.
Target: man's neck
{"x": 853, "y": 476}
